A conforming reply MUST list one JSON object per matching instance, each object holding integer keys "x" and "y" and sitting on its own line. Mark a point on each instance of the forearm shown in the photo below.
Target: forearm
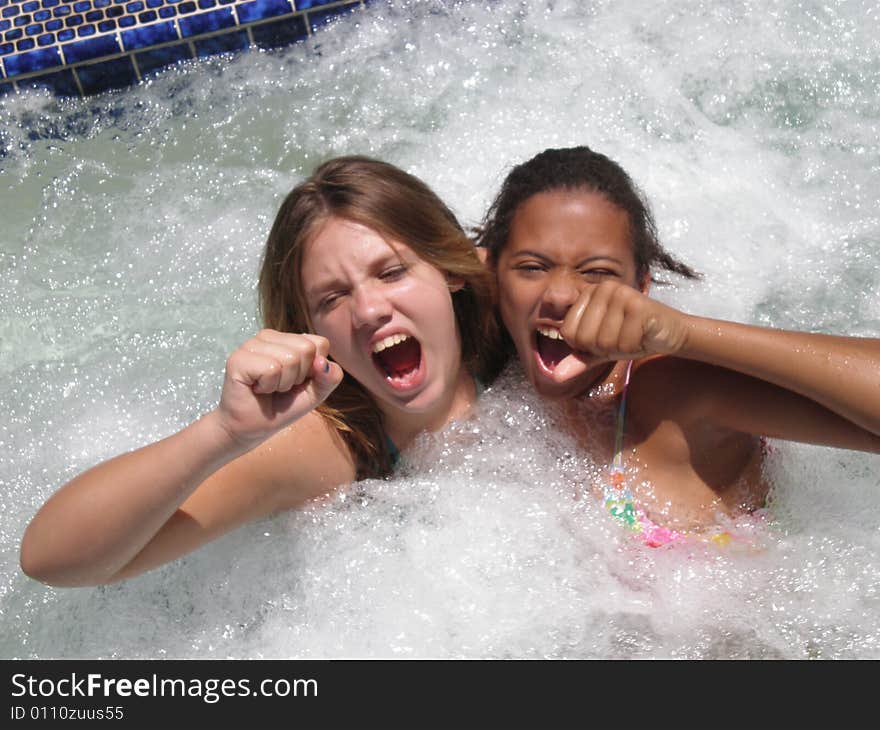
{"x": 98, "y": 522}
{"x": 840, "y": 373}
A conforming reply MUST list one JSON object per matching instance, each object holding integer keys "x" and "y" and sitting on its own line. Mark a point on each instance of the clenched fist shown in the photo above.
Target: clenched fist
{"x": 613, "y": 321}
{"x": 272, "y": 380}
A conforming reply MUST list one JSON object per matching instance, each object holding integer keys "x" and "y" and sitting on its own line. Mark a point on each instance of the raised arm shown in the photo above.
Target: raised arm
{"x": 239, "y": 462}
{"x": 840, "y": 373}
{"x": 838, "y": 376}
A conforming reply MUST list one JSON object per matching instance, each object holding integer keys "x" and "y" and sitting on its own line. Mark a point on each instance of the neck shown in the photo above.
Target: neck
{"x": 402, "y": 428}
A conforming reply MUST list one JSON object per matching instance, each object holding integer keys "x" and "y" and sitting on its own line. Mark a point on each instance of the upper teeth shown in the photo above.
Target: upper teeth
{"x": 553, "y": 334}
{"x": 389, "y": 341}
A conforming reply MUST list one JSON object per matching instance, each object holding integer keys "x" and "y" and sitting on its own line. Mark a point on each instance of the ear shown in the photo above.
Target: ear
{"x": 454, "y": 283}
{"x": 482, "y": 254}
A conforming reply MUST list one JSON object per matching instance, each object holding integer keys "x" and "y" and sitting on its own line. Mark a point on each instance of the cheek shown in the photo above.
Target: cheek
{"x": 332, "y": 326}
{"x": 514, "y": 298}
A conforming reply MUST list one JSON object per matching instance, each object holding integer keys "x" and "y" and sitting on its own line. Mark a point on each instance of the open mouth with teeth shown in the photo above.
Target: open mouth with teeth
{"x": 550, "y": 347}
{"x": 399, "y": 359}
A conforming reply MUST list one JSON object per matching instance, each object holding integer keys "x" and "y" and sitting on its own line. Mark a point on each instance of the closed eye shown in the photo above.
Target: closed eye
{"x": 598, "y": 273}
{"x": 393, "y": 274}
{"x": 330, "y": 301}
{"x": 530, "y": 266}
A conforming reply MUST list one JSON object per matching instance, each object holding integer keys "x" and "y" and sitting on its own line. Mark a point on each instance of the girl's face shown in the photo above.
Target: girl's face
{"x": 560, "y": 243}
{"x": 387, "y": 314}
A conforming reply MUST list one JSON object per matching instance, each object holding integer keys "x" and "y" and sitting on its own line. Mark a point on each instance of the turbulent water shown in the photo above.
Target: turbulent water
{"x": 131, "y": 232}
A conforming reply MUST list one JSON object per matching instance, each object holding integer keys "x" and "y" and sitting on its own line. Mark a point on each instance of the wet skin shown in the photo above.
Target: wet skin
{"x": 564, "y": 245}
{"x": 360, "y": 290}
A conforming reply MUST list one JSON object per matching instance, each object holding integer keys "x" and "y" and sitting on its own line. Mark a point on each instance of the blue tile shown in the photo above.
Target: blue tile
{"x": 149, "y": 61}
{"x": 149, "y": 35}
{"x": 306, "y": 4}
{"x": 187, "y": 7}
{"x": 207, "y": 22}
{"x": 115, "y": 74}
{"x": 101, "y": 3}
{"x": 126, "y": 21}
{"x": 73, "y": 20}
{"x": 45, "y": 40}
{"x": 92, "y": 48}
{"x": 174, "y": 2}
{"x": 25, "y": 45}
{"x": 260, "y": 9}
{"x": 85, "y": 30}
{"x": 6, "y": 48}
{"x": 4, "y": 24}
{"x": 50, "y": 3}
{"x": 21, "y": 20}
{"x": 61, "y": 83}
{"x": 33, "y": 29}
{"x": 9, "y": 12}
{"x": 226, "y": 2}
{"x": 42, "y": 15}
{"x": 82, "y": 7}
{"x": 147, "y": 17}
{"x": 155, "y": 3}
{"x": 94, "y": 16}
{"x": 65, "y": 35}
{"x": 226, "y": 43}
{"x": 280, "y": 32}
{"x": 205, "y": 4}
{"x": 13, "y": 34}
{"x": 167, "y": 12}
{"x": 134, "y": 7}
{"x": 107, "y": 25}
{"x": 33, "y": 61}
{"x": 54, "y": 25}
{"x": 63, "y": 10}
{"x": 115, "y": 12}
{"x": 29, "y": 7}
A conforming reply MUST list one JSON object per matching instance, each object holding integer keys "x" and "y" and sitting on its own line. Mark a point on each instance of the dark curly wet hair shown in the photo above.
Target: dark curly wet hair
{"x": 579, "y": 168}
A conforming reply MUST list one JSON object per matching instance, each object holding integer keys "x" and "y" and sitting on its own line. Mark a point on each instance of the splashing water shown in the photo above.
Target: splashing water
{"x": 132, "y": 229}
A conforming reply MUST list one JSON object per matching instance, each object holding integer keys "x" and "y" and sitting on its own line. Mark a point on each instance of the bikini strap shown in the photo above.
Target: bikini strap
{"x": 617, "y": 461}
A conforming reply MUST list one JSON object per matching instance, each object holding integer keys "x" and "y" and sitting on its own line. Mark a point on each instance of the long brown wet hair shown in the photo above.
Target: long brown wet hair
{"x": 399, "y": 207}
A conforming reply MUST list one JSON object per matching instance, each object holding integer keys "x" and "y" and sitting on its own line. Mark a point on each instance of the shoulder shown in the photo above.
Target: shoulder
{"x": 683, "y": 390}
{"x": 307, "y": 459}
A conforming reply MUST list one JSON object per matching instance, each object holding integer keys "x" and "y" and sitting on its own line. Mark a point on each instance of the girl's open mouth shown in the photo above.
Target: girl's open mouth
{"x": 399, "y": 359}
{"x": 550, "y": 347}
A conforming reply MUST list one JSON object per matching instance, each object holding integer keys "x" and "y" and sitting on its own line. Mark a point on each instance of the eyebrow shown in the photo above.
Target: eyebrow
{"x": 331, "y": 285}
{"x": 547, "y": 259}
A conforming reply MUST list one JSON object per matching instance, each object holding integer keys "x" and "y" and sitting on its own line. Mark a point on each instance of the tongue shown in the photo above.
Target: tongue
{"x": 552, "y": 351}
{"x": 401, "y": 359}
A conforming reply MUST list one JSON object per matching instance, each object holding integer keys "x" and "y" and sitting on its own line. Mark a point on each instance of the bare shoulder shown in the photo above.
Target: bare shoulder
{"x": 673, "y": 388}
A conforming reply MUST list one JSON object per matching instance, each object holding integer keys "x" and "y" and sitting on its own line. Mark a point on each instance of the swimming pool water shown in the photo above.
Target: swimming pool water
{"x": 132, "y": 229}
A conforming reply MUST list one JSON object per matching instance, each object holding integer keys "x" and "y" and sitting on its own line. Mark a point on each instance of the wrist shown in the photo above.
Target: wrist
{"x": 221, "y": 440}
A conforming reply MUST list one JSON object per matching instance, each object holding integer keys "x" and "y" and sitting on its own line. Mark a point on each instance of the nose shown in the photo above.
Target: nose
{"x": 563, "y": 289}
{"x": 371, "y": 307}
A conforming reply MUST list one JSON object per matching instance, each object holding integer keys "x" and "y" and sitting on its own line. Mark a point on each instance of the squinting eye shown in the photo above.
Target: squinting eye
{"x": 529, "y": 267}
{"x": 599, "y": 272}
{"x": 327, "y": 303}
{"x": 395, "y": 272}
